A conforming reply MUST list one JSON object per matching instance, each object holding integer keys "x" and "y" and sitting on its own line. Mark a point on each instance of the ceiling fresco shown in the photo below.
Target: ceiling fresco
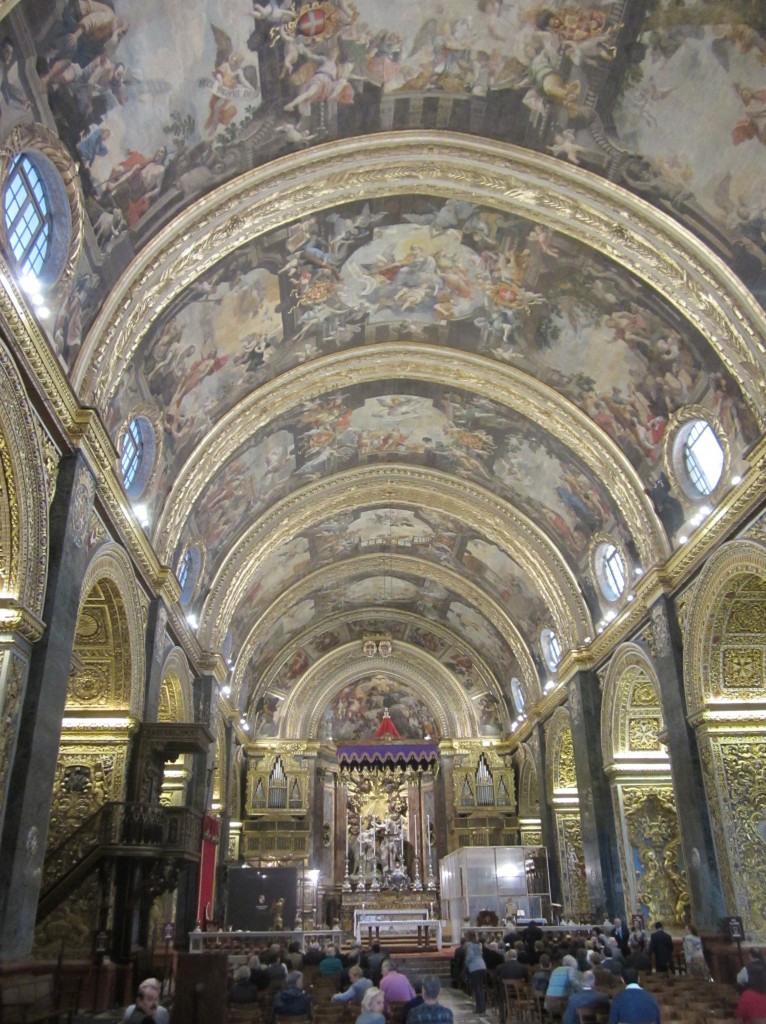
{"x": 411, "y": 411}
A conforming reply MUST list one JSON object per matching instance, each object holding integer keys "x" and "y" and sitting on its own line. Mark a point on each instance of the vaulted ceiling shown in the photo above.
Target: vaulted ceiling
{"x": 415, "y": 299}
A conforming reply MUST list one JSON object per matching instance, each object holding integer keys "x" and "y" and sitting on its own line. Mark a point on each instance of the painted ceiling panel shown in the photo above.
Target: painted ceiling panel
{"x": 540, "y": 382}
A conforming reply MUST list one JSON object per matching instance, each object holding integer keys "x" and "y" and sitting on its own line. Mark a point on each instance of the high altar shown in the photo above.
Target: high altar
{"x": 366, "y": 820}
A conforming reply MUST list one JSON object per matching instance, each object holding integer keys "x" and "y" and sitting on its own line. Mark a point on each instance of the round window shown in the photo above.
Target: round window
{"x": 700, "y": 457}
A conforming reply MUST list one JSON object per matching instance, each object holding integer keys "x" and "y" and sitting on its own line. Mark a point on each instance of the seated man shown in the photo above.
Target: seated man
{"x": 431, "y": 1010}
{"x": 292, "y": 1001}
{"x": 243, "y": 990}
{"x": 588, "y": 998}
{"x": 147, "y": 1004}
{"x": 633, "y": 1005}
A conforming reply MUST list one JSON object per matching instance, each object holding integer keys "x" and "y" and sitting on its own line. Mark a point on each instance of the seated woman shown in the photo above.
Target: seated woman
{"x": 355, "y": 992}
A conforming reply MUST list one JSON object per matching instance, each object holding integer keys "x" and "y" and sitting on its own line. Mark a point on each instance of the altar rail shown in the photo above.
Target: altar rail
{"x": 234, "y": 941}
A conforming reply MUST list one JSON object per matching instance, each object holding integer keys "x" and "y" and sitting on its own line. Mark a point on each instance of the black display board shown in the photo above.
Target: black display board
{"x": 253, "y": 898}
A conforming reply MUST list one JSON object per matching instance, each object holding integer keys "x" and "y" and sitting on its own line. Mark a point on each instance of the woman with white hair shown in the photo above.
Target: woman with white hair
{"x": 564, "y": 980}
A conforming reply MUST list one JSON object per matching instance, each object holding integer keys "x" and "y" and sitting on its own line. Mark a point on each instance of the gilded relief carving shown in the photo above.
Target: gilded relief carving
{"x": 70, "y": 926}
{"x": 567, "y": 777}
{"x": 743, "y": 667}
{"x": 654, "y": 842}
{"x": 736, "y": 785}
{"x": 576, "y": 905}
{"x": 644, "y": 733}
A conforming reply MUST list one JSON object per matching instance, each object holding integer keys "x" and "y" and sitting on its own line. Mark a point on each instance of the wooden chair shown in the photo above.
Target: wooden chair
{"x": 243, "y": 1013}
{"x": 394, "y": 1011}
{"x": 592, "y": 1015}
{"x": 516, "y": 999}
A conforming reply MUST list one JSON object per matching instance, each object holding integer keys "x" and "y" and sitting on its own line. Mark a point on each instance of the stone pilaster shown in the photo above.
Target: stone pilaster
{"x": 547, "y": 822}
{"x": 32, "y": 774}
{"x": 602, "y": 859}
{"x": 694, "y": 821}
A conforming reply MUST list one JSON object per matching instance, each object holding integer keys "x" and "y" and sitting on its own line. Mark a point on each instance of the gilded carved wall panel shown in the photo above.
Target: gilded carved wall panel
{"x": 87, "y": 776}
{"x": 736, "y": 785}
{"x": 69, "y": 927}
{"x": 631, "y": 715}
{"x": 656, "y": 882}
{"x": 574, "y": 887}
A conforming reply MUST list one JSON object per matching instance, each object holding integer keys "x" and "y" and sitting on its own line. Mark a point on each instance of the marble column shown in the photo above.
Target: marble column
{"x": 707, "y": 905}
{"x": 602, "y": 859}
{"x": 33, "y": 771}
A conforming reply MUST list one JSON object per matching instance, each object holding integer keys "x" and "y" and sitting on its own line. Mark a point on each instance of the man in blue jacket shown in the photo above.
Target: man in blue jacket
{"x": 634, "y": 1005}
{"x": 588, "y": 998}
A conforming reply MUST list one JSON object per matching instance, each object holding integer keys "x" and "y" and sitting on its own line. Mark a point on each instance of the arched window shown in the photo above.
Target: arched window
{"x": 132, "y": 453}
{"x": 611, "y": 571}
{"x": 187, "y": 573}
{"x": 703, "y": 457}
{"x": 518, "y": 695}
{"x": 27, "y": 217}
{"x": 137, "y": 455}
{"x": 551, "y": 648}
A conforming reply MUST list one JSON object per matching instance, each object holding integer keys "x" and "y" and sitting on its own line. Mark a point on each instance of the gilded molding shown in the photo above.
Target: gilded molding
{"x": 375, "y": 564}
{"x": 504, "y": 177}
{"x": 177, "y": 685}
{"x": 435, "y": 684}
{"x": 497, "y": 520}
{"x": 24, "y": 565}
{"x": 505, "y": 385}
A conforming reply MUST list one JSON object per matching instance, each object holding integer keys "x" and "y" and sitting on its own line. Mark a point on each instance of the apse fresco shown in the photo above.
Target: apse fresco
{"x": 355, "y": 712}
{"x": 162, "y": 103}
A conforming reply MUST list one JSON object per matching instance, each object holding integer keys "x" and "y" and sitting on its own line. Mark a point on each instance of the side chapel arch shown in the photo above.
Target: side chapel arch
{"x": 638, "y": 767}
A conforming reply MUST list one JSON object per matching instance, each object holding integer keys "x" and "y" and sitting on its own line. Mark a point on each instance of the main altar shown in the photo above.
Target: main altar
{"x": 389, "y": 858}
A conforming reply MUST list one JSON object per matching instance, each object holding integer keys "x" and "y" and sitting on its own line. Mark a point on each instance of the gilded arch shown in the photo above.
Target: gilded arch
{"x": 561, "y": 786}
{"x": 502, "y": 524}
{"x": 638, "y": 766}
{"x": 508, "y": 178}
{"x": 504, "y": 384}
{"x": 714, "y": 674}
{"x": 383, "y": 563}
{"x": 24, "y": 500}
{"x": 631, "y": 712}
{"x": 176, "y": 698}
